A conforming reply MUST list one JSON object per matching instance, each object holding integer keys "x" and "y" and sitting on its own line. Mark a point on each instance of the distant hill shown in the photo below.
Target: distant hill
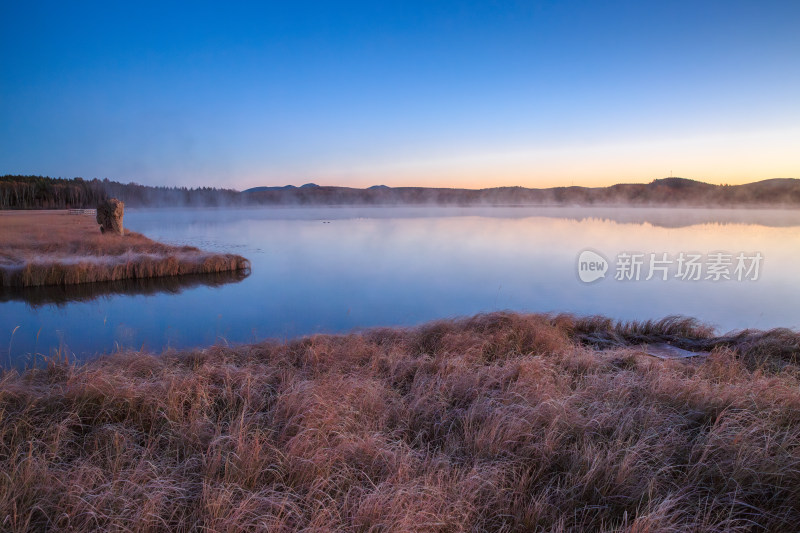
{"x": 37, "y": 192}
{"x": 279, "y": 188}
{"x": 662, "y": 192}
{"x": 261, "y": 189}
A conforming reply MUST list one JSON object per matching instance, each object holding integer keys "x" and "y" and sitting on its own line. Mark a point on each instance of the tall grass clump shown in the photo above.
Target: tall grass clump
{"x": 499, "y": 422}
{"x": 57, "y": 249}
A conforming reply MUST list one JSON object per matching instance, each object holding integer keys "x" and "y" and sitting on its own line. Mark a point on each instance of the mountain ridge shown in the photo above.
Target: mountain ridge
{"x": 37, "y": 192}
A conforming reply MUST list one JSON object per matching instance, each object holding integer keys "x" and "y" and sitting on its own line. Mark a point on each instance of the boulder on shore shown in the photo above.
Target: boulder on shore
{"x": 109, "y": 216}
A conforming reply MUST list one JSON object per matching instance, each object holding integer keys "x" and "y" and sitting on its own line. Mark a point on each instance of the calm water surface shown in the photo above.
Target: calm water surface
{"x": 342, "y": 269}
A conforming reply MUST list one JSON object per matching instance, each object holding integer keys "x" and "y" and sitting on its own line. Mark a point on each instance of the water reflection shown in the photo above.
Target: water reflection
{"x": 61, "y": 295}
{"x": 678, "y": 217}
{"x": 340, "y": 269}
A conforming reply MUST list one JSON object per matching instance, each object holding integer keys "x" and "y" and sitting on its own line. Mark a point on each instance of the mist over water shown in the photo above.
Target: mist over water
{"x": 343, "y": 269}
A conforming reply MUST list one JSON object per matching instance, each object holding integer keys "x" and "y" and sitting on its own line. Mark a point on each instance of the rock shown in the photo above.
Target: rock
{"x": 667, "y": 351}
{"x": 109, "y": 216}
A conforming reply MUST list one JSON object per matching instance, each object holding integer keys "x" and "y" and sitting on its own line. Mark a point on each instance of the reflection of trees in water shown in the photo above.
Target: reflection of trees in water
{"x": 83, "y": 292}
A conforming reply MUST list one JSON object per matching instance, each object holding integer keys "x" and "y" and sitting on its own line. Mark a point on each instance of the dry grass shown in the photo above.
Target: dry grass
{"x": 45, "y": 248}
{"x": 501, "y": 422}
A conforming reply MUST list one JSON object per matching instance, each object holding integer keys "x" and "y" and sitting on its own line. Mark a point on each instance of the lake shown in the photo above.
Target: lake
{"x": 344, "y": 269}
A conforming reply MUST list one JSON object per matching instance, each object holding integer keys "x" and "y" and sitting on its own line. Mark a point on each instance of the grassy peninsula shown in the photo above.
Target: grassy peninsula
{"x": 55, "y": 248}
{"x": 500, "y": 422}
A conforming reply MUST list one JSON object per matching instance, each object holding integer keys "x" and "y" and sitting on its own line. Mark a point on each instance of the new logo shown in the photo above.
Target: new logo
{"x": 591, "y": 266}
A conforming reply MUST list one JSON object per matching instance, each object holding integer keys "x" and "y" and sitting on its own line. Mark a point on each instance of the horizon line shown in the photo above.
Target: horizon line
{"x": 454, "y": 187}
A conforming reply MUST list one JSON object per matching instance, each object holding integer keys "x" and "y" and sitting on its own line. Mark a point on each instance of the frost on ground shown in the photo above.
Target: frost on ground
{"x": 501, "y": 422}
{"x": 58, "y": 249}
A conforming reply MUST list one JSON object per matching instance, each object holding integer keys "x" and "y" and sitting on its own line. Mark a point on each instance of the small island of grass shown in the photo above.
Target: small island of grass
{"x": 55, "y": 248}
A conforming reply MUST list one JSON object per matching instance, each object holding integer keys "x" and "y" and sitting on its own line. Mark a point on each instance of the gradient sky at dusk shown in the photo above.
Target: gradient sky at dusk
{"x": 470, "y": 94}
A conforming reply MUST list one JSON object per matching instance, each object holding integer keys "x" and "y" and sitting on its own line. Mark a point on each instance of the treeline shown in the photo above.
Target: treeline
{"x": 39, "y": 192}
{"x": 136, "y": 195}
{"x": 36, "y": 192}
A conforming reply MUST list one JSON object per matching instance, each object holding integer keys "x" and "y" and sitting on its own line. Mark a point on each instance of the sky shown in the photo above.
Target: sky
{"x": 414, "y": 93}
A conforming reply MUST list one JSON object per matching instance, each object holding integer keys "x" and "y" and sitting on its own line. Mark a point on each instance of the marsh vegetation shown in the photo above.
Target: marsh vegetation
{"x": 500, "y": 422}
{"x": 55, "y": 248}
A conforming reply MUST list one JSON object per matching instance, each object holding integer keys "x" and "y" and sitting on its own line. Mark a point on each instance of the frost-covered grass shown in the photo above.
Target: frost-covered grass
{"x": 42, "y": 248}
{"x": 501, "y": 422}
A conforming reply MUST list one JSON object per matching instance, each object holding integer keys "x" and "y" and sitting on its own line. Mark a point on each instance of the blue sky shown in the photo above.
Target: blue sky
{"x": 467, "y": 94}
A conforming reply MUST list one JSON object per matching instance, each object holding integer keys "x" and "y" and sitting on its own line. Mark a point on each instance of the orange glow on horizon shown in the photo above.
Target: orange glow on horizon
{"x": 731, "y": 159}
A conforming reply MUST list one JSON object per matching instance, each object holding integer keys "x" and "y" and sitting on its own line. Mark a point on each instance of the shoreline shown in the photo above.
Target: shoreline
{"x": 45, "y": 248}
